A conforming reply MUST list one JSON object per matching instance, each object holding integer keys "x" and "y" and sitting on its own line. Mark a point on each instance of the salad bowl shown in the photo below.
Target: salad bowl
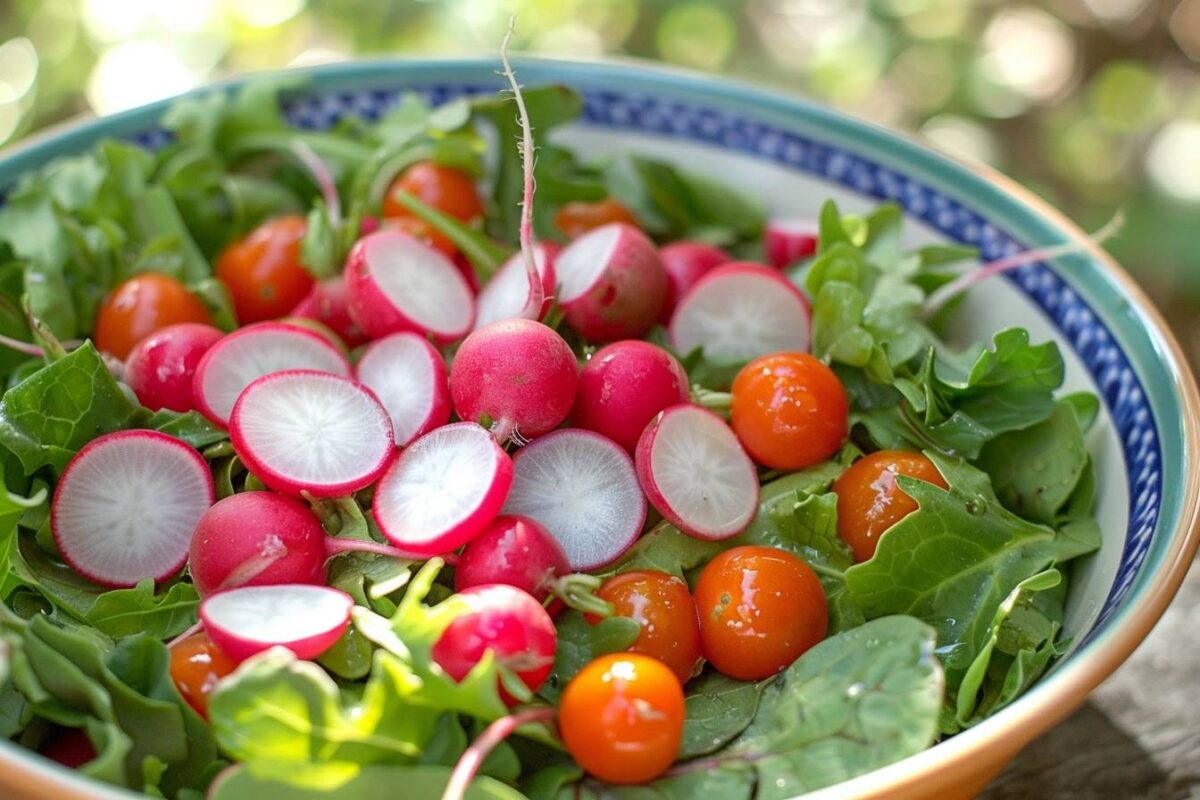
{"x": 794, "y": 155}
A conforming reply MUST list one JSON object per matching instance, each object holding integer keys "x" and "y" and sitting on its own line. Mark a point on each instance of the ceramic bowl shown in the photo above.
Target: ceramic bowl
{"x": 793, "y": 155}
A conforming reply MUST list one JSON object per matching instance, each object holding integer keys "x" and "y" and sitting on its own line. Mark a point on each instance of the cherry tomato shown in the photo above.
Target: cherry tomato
{"x": 621, "y": 718}
{"x": 663, "y": 607}
{"x": 870, "y": 501}
{"x": 422, "y": 231}
{"x": 263, "y": 270}
{"x": 760, "y": 609}
{"x": 142, "y": 305}
{"x": 789, "y": 410}
{"x": 447, "y": 189}
{"x": 196, "y": 666}
{"x": 70, "y": 747}
{"x": 576, "y": 219}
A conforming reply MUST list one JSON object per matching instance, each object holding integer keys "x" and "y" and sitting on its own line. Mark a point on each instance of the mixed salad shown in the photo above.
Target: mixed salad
{"x": 343, "y": 463}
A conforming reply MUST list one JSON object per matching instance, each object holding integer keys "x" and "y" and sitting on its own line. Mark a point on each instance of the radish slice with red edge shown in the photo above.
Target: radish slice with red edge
{"x": 408, "y": 376}
{"x": 127, "y": 505}
{"x": 251, "y": 352}
{"x": 583, "y": 488}
{"x": 396, "y": 283}
{"x": 505, "y": 294}
{"x": 443, "y": 490}
{"x": 741, "y": 311}
{"x": 789, "y": 240}
{"x": 303, "y": 430}
{"x": 305, "y": 619}
{"x": 695, "y": 472}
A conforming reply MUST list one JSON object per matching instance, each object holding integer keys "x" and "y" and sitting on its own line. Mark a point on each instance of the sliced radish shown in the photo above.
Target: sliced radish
{"x": 789, "y": 240}
{"x": 408, "y": 376}
{"x": 695, "y": 472}
{"x": 443, "y": 490}
{"x": 505, "y": 294}
{"x": 685, "y": 263}
{"x": 740, "y": 311}
{"x": 396, "y": 283}
{"x": 583, "y": 488}
{"x": 326, "y": 303}
{"x": 127, "y": 505}
{"x": 302, "y": 430}
{"x": 305, "y": 619}
{"x": 249, "y": 353}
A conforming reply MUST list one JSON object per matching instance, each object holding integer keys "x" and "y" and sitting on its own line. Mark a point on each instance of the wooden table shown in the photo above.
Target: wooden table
{"x": 1138, "y": 736}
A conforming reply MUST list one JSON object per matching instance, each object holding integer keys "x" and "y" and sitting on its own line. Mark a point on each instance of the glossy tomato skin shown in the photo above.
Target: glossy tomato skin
{"x": 663, "y": 606}
{"x": 196, "y": 666}
{"x": 577, "y": 218}
{"x": 870, "y": 501}
{"x": 621, "y": 718}
{"x": 446, "y": 189}
{"x": 160, "y": 367}
{"x": 263, "y": 272}
{"x": 760, "y": 609}
{"x": 142, "y": 305}
{"x": 789, "y": 410}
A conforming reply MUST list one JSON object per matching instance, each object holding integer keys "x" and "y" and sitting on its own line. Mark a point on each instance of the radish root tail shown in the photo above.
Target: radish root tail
{"x": 474, "y": 756}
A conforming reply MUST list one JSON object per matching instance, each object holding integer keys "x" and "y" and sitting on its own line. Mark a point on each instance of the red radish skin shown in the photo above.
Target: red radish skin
{"x": 790, "y": 240}
{"x": 307, "y": 431}
{"x": 256, "y": 350}
{"x": 395, "y": 283}
{"x": 516, "y": 551}
{"x": 305, "y": 619}
{"x": 623, "y": 386}
{"x": 507, "y": 621}
{"x": 686, "y": 263}
{"x": 443, "y": 490}
{"x": 328, "y": 303}
{"x": 257, "y": 539}
{"x": 160, "y": 367}
{"x": 696, "y": 474}
{"x": 409, "y": 377}
{"x": 517, "y": 373}
{"x": 740, "y": 311}
{"x": 611, "y": 283}
{"x": 127, "y": 505}
{"x": 70, "y": 747}
{"x": 505, "y": 295}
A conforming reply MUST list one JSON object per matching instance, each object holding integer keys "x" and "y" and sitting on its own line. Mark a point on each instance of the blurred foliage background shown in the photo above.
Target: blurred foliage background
{"x": 1094, "y": 104}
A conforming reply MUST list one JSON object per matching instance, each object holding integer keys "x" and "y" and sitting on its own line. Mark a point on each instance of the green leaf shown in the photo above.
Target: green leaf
{"x": 718, "y": 708}
{"x": 579, "y": 642}
{"x": 726, "y": 784}
{"x": 190, "y": 426}
{"x": 353, "y": 782}
{"x": 694, "y": 206}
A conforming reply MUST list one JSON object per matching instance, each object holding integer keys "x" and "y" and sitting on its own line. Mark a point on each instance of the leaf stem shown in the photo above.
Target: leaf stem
{"x": 714, "y": 401}
{"x": 335, "y": 546}
{"x": 578, "y": 591}
{"x": 321, "y": 176}
{"x": 467, "y": 766}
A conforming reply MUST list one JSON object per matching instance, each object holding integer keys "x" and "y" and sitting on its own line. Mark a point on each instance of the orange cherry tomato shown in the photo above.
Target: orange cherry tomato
{"x": 422, "y": 231}
{"x": 263, "y": 270}
{"x": 196, "y": 666}
{"x": 141, "y": 306}
{"x": 870, "y": 501}
{"x": 662, "y": 605}
{"x": 621, "y": 718}
{"x": 577, "y": 218}
{"x": 447, "y": 189}
{"x": 760, "y": 609}
{"x": 789, "y": 410}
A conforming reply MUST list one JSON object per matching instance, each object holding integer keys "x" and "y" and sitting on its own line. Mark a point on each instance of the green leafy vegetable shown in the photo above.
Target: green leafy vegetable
{"x": 718, "y": 708}
{"x": 351, "y": 782}
{"x": 579, "y": 642}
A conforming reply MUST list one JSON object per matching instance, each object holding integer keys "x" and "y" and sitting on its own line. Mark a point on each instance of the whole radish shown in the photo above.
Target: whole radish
{"x": 686, "y": 263}
{"x": 328, "y": 303}
{"x": 623, "y": 386}
{"x": 516, "y": 551}
{"x": 257, "y": 539}
{"x": 160, "y": 367}
{"x": 517, "y": 373}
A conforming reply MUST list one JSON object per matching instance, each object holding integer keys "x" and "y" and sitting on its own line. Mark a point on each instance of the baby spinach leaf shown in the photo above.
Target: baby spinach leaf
{"x": 717, "y": 709}
{"x": 694, "y": 206}
{"x": 352, "y": 782}
{"x": 579, "y": 642}
{"x": 188, "y": 426}
{"x": 718, "y": 782}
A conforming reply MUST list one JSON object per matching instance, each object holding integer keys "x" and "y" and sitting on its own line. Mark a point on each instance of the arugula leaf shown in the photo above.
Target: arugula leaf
{"x": 579, "y": 642}
{"x": 718, "y": 708}
{"x": 353, "y": 782}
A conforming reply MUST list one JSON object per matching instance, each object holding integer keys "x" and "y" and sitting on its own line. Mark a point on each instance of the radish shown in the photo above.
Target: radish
{"x": 256, "y": 539}
{"x": 695, "y": 472}
{"x": 507, "y": 621}
{"x": 790, "y": 240}
{"x": 623, "y": 386}
{"x": 517, "y": 373}
{"x": 740, "y": 311}
{"x": 408, "y": 376}
{"x": 505, "y": 295}
{"x": 443, "y": 490}
{"x": 309, "y": 431}
{"x": 686, "y": 263}
{"x": 516, "y": 551}
{"x": 251, "y": 352}
{"x": 328, "y": 303}
{"x": 611, "y": 283}
{"x": 127, "y": 504}
{"x": 160, "y": 367}
{"x": 396, "y": 283}
{"x": 305, "y": 619}
{"x": 583, "y": 488}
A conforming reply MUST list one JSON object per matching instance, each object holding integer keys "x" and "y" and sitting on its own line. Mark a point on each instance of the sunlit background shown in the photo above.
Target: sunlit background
{"x": 1095, "y": 104}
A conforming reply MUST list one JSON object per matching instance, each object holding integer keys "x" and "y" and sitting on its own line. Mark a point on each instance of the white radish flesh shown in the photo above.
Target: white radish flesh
{"x": 305, "y": 619}
{"x": 408, "y": 376}
{"x": 505, "y": 295}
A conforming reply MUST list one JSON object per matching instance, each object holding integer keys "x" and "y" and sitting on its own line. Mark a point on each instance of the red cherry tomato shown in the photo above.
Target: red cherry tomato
{"x": 142, "y": 305}
{"x": 263, "y": 272}
{"x": 870, "y": 501}
{"x": 621, "y": 718}
{"x": 789, "y": 410}
{"x": 760, "y": 609}
{"x": 576, "y": 219}
{"x": 196, "y": 666}
{"x": 662, "y": 605}
{"x": 446, "y": 189}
